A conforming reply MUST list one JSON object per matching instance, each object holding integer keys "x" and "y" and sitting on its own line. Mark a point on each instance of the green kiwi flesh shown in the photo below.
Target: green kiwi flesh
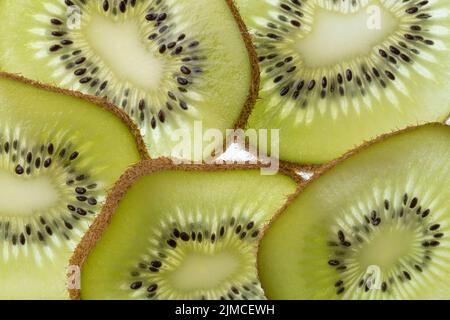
{"x": 189, "y": 232}
{"x": 337, "y": 73}
{"x": 59, "y": 154}
{"x": 167, "y": 63}
{"x": 372, "y": 226}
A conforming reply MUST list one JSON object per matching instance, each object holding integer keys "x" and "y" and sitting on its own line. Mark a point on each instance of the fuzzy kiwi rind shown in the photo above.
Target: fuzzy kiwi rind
{"x": 253, "y": 58}
{"x": 94, "y": 234}
{"x": 325, "y": 169}
{"x": 124, "y": 118}
{"x": 253, "y": 91}
{"x": 255, "y": 74}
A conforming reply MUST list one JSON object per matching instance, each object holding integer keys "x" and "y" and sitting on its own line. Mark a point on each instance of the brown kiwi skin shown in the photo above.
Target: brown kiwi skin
{"x": 121, "y": 187}
{"x": 142, "y": 149}
{"x": 253, "y": 92}
{"x": 327, "y": 167}
{"x": 253, "y": 58}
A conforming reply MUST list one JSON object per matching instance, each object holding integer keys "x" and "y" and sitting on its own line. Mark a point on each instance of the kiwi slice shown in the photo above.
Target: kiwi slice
{"x": 167, "y": 63}
{"x": 338, "y": 73}
{"x": 180, "y": 232}
{"x": 59, "y": 153}
{"x": 373, "y": 226}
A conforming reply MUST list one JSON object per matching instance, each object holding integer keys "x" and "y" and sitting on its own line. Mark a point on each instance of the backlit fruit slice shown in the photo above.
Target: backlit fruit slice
{"x": 188, "y": 232}
{"x": 167, "y": 63}
{"x": 59, "y": 154}
{"x": 338, "y": 73}
{"x": 373, "y": 226}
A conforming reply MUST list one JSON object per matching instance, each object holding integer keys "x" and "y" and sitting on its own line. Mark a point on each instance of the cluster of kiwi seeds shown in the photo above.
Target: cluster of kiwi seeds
{"x": 382, "y": 69}
{"x": 66, "y": 220}
{"x": 349, "y": 238}
{"x": 148, "y": 278}
{"x": 83, "y": 70}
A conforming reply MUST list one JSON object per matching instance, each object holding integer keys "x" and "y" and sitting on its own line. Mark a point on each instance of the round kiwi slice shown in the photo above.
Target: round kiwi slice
{"x": 373, "y": 226}
{"x": 338, "y": 73}
{"x": 180, "y": 232}
{"x": 59, "y": 154}
{"x": 167, "y": 63}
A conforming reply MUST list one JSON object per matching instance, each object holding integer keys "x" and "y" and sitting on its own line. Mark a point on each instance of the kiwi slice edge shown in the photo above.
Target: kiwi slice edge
{"x": 225, "y": 231}
{"x": 341, "y": 263}
{"x": 172, "y": 108}
{"x": 39, "y": 153}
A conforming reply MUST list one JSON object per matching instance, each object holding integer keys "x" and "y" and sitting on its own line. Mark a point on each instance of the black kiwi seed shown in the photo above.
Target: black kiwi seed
{"x": 435, "y": 227}
{"x": 47, "y": 162}
{"x": 80, "y": 190}
{"x": 333, "y": 263}
{"x": 341, "y": 236}
{"x": 19, "y": 169}
{"x": 152, "y": 288}
{"x": 22, "y": 239}
{"x": 81, "y": 211}
{"x": 136, "y": 285}
{"x": 73, "y": 156}
{"x": 172, "y": 243}
{"x": 407, "y": 275}
{"x": 49, "y": 230}
{"x": 184, "y": 236}
{"x": 413, "y": 203}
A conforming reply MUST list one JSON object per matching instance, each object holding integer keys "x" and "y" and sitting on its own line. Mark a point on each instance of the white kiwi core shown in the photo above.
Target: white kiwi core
{"x": 204, "y": 271}
{"x": 387, "y": 248}
{"x": 120, "y": 46}
{"x": 24, "y": 196}
{"x": 336, "y": 37}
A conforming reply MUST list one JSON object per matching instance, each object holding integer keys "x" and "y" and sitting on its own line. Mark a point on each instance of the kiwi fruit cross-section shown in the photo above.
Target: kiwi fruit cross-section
{"x": 166, "y": 63}
{"x": 180, "y": 232}
{"x": 59, "y": 154}
{"x": 337, "y": 73}
{"x": 374, "y": 225}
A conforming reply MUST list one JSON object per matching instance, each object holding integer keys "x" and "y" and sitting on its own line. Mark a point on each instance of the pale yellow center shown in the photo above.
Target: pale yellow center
{"x": 120, "y": 47}
{"x": 337, "y": 37}
{"x": 204, "y": 271}
{"x": 24, "y": 196}
{"x": 386, "y": 248}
